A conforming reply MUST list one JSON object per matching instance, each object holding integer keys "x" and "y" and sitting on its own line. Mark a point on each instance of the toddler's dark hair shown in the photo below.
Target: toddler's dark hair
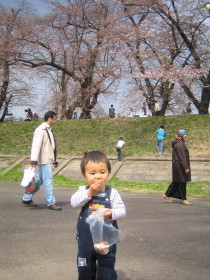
{"x": 95, "y": 156}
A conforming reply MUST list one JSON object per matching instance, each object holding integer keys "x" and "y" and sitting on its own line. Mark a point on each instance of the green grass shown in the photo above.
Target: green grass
{"x": 2, "y": 169}
{"x": 74, "y": 137}
{"x": 193, "y": 188}
{"x": 13, "y": 176}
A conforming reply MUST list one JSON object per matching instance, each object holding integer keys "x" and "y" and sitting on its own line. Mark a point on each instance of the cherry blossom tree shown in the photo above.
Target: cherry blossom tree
{"x": 86, "y": 47}
{"x": 80, "y": 30}
{"x": 176, "y": 30}
{"x": 13, "y": 85}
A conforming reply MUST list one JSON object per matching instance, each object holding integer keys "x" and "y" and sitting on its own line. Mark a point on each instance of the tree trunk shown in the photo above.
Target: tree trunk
{"x": 69, "y": 112}
{"x": 63, "y": 89}
{"x": 85, "y": 114}
{"x": 166, "y": 90}
{"x": 191, "y": 96}
{"x": 205, "y": 96}
{"x": 4, "y": 87}
{"x": 6, "y": 109}
{"x": 89, "y": 105}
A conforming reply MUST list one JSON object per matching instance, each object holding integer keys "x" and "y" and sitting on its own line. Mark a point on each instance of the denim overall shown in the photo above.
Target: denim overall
{"x": 87, "y": 256}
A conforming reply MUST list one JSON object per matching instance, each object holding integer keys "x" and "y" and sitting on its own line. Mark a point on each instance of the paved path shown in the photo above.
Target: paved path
{"x": 130, "y": 169}
{"x": 164, "y": 241}
{"x": 140, "y": 169}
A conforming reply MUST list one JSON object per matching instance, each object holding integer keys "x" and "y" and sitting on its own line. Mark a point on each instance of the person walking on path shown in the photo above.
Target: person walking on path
{"x": 119, "y": 147}
{"x": 112, "y": 112}
{"x": 180, "y": 169}
{"x": 44, "y": 154}
{"x": 96, "y": 168}
{"x": 161, "y": 134}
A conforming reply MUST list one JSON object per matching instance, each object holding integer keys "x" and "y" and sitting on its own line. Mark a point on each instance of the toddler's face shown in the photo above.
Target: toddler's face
{"x": 96, "y": 172}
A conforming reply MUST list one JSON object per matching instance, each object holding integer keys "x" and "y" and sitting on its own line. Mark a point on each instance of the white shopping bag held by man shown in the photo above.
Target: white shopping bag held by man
{"x": 29, "y": 173}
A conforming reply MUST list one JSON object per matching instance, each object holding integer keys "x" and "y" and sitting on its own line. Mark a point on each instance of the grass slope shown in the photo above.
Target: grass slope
{"x": 74, "y": 137}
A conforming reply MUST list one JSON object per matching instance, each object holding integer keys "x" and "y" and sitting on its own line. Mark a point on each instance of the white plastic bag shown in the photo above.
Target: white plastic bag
{"x": 103, "y": 232}
{"x": 29, "y": 173}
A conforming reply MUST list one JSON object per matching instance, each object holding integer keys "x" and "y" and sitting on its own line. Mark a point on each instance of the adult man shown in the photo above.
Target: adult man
{"x": 112, "y": 112}
{"x": 156, "y": 109}
{"x": 43, "y": 153}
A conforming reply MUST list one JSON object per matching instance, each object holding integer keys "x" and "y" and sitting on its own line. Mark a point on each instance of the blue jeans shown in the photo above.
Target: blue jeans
{"x": 119, "y": 153}
{"x": 160, "y": 146}
{"x": 46, "y": 178}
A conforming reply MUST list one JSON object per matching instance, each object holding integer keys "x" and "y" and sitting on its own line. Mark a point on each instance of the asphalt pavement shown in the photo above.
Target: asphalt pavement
{"x": 163, "y": 240}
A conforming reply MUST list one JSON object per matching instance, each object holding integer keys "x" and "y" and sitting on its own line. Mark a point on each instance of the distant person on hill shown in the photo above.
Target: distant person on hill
{"x": 180, "y": 169}
{"x": 156, "y": 109}
{"x": 26, "y": 115}
{"x": 29, "y": 115}
{"x": 35, "y": 117}
{"x": 44, "y": 154}
{"x": 188, "y": 108}
{"x": 144, "y": 109}
{"x": 160, "y": 134}
{"x": 131, "y": 113}
{"x": 119, "y": 147}
{"x": 112, "y": 112}
{"x": 75, "y": 115}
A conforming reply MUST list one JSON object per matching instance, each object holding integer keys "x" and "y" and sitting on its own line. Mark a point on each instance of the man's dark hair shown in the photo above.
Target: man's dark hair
{"x": 49, "y": 114}
{"x": 161, "y": 126}
{"x": 95, "y": 156}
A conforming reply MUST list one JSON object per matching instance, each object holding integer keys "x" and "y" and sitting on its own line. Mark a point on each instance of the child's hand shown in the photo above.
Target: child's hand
{"x": 94, "y": 188}
{"x": 108, "y": 213}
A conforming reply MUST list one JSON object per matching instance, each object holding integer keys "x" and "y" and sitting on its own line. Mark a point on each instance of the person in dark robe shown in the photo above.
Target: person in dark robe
{"x": 180, "y": 169}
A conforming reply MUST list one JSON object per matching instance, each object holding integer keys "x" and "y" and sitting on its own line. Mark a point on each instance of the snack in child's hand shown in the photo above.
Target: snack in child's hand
{"x": 102, "y": 248}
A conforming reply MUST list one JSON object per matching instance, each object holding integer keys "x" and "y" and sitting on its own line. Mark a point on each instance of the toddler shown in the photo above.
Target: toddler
{"x": 92, "y": 264}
